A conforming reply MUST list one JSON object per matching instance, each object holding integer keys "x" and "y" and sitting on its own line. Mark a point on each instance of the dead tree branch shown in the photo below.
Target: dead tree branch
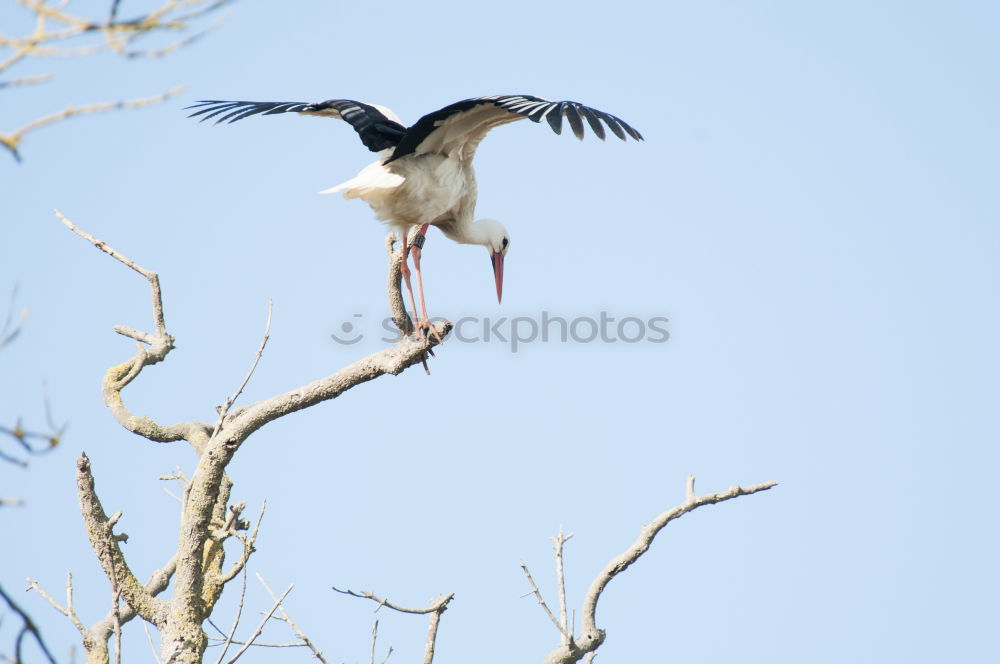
{"x": 586, "y": 644}
{"x": 236, "y": 619}
{"x": 260, "y": 626}
{"x": 105, "y": 543}
{"x": 32, "y": 443}
{"x": 438, "y": 606}
{"x": 224, "y": 409}
{"x": 59, "y": 33}
{"x": 11, "y": 327}
{"x": 558, "y": 542}
{"x": 306, "y": 641}
{"x": 26, "y": 440}
{"x": 95, "y": 638}
{"x": 28, "y": 627}
{"x": 12, "y": 140}
{"x": 541, "y": 602}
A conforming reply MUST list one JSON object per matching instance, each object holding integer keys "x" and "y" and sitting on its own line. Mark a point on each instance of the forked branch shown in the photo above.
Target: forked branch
{"x": 151, "y": 349}
{"x": 591, "y": 637}
{"x": 95, "y": 638}
{"x": 438, "y": 606}
{"x": 306, "y": 641}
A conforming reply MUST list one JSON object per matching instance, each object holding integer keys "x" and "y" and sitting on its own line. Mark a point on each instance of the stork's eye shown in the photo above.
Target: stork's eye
{"x": 505, "y": 243}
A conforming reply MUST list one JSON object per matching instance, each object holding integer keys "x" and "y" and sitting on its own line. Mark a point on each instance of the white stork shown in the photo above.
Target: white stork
{"x": 424, "y": 173}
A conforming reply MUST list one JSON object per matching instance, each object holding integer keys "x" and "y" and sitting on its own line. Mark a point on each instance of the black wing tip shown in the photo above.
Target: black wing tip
{"x": 209, "y": 108}
{"x": 632, "y": 131}
{"x": 205, "y": 104}
{"x": 231, "y": 111}
{"x": 575, "y": 112}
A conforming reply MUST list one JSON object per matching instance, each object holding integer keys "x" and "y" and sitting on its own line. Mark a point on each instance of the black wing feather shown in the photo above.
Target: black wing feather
{"x": 612, "y": 122}
{"x": 575, "y": 123}
{"x": 555, "y": 118}
{"x": 593, "y": 121}
{"x": 377, "y": 132}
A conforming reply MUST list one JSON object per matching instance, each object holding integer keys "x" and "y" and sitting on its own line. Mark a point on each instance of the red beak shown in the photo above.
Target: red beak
{"x": 497, "y": 259}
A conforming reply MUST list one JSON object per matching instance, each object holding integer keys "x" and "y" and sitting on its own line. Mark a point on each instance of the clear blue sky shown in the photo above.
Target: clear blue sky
{"x": 814, "y": 209}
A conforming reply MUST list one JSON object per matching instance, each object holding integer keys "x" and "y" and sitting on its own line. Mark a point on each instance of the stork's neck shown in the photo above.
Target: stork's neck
{"x": 469, "y": 232}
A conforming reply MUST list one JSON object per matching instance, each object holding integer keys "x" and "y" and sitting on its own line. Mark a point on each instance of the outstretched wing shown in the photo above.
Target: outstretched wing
{"x": 458, "y": 128}
{"x": 377, "y": 131}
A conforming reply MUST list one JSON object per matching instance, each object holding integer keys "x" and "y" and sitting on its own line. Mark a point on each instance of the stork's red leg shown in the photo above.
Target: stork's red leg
{"x": 415, "y": 248}
{"x": 405, "y": 269}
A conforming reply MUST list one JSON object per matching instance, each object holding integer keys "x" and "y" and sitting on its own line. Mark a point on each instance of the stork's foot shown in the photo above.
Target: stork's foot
{"x": 421, "y": 329}
{"x": 425, "y": 329}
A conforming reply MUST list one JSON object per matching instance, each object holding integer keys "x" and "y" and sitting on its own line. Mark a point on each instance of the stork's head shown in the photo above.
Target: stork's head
{"x": 497, "y": 241}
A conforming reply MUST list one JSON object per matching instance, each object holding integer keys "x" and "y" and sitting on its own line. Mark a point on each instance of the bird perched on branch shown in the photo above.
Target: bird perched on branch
{"x": 424, "y": 174}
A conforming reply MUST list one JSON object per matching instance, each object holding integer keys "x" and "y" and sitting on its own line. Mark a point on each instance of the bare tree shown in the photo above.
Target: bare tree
{"x": 57, "y": 32}
{"x": 197, "y": 571}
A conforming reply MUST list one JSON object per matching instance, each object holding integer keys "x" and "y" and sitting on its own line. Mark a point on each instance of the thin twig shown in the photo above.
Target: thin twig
{"x": 557, "y": 543}
{"x": 68, "y": 610}
{"x": 10, "y": 329}
{"x": 438, "y": 606}
{"x": 364, "y": 594}
{"x": 54, "y": 24}
{"x": 295, "y": 628}
{"x": 154, "y": 280}
{"x": 256, "y": 644}
{"x": 260, "y": 627}
{"x": 236, "y": 619}
{"x": 26, "y": 80}
{"x": 149, "y": 639}
{"x": 28, "y": 627}
{"x": 541, "y": 600}
{"x": 248, "y": 547}
{"x": 224, "y": 410}
{"x": 10, "y": 458}
{"x": 12, "y": 140}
